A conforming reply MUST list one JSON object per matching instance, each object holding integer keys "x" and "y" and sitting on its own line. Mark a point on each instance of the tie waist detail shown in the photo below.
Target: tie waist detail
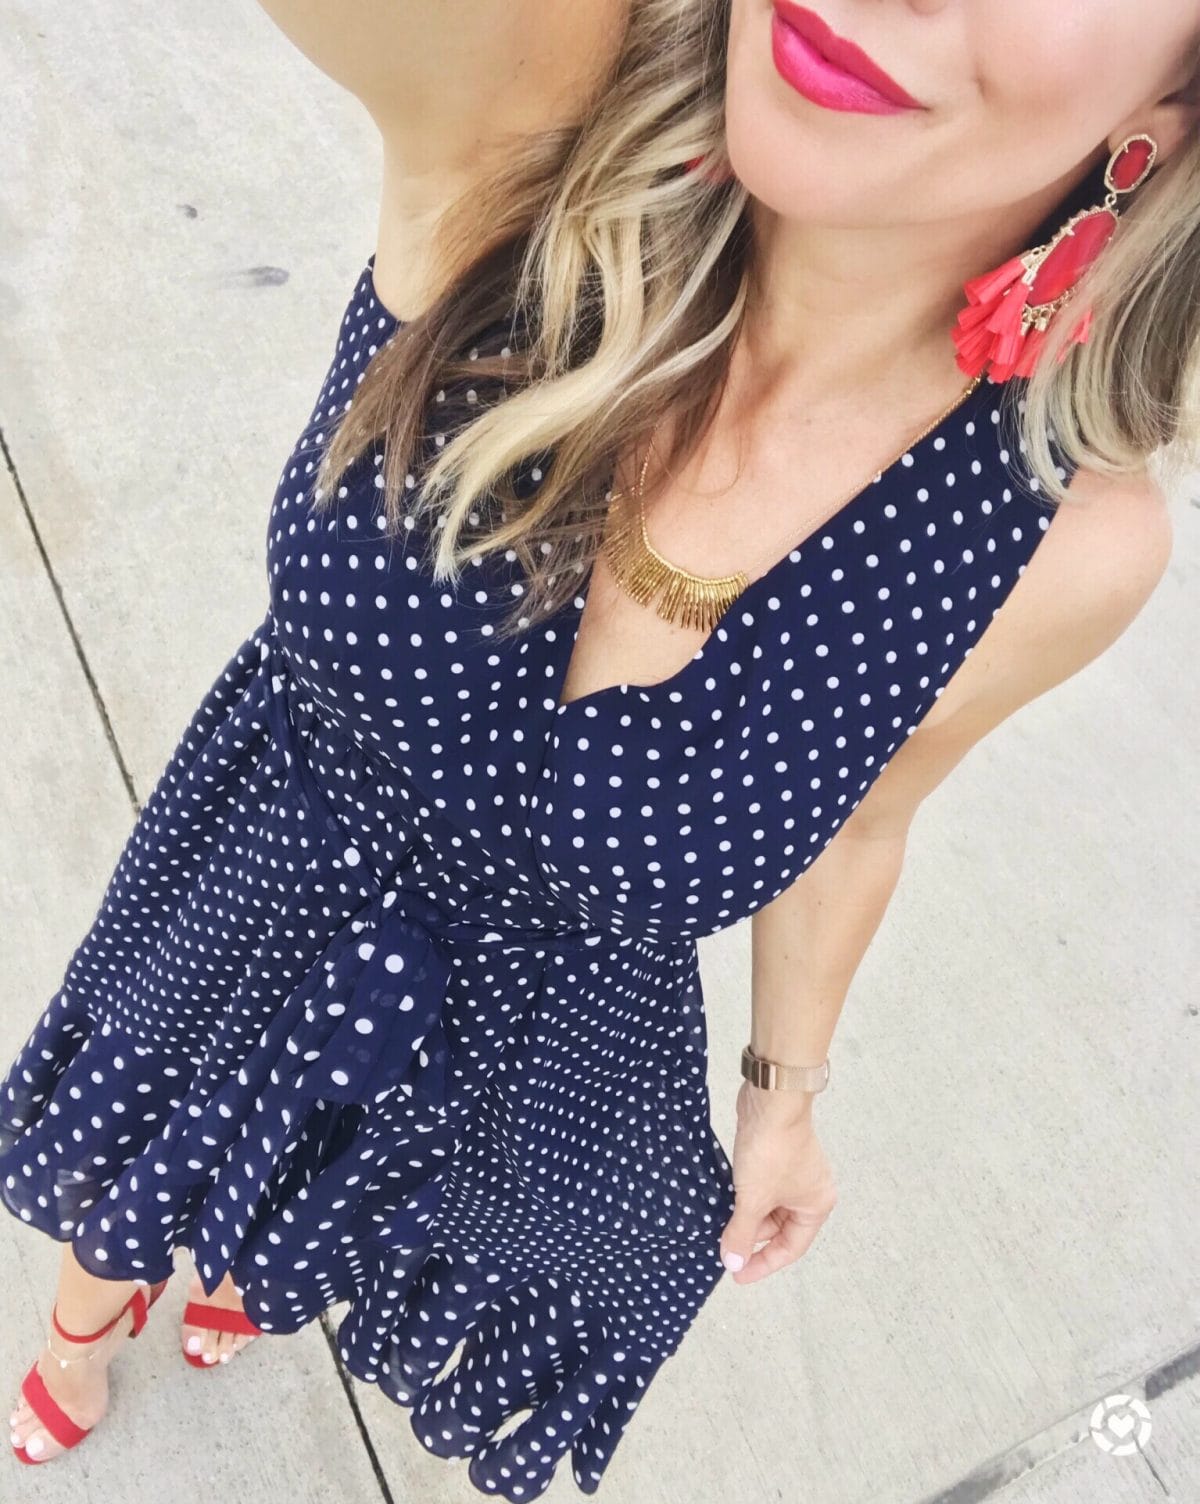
{"x": 360, "y": 1055}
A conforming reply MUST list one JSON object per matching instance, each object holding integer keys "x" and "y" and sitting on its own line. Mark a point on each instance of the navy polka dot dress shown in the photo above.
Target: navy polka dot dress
{"x": 393, "y": 995}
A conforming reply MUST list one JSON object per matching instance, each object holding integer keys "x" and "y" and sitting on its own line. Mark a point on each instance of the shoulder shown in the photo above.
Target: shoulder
{"x": 1106, "y": 548}
{"x": 1103, "y": 554}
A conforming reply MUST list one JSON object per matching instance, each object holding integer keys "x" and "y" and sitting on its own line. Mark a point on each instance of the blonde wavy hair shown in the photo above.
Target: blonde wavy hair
{"x": 614, "y": 284}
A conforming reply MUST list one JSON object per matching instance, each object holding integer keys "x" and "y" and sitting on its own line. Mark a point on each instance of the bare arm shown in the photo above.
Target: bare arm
{"x": 1092, "y": 573}
{"x": 442, "y": 77}
{"x": 450, "y": 84}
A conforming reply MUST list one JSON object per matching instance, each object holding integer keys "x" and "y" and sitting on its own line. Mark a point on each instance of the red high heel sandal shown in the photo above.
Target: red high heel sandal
{"x": 216, "y": 1319}
{"x": 51, "y": 1416}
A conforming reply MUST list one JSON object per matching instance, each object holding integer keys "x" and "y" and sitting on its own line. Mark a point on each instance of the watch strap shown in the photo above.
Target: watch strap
{"x": 775, "y": 1076}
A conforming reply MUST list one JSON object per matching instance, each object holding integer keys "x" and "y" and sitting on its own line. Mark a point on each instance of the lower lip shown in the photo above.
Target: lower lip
{"x": 800, "y": 64}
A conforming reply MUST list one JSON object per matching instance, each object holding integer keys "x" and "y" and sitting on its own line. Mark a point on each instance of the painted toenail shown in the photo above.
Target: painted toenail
{"x": 14, "y": 1438}
{"x": 225, "y": 1357}
{"x": 194, "y": 1344}
{"x": 209, "y": 1358}
{"x": 34, "y": 1446}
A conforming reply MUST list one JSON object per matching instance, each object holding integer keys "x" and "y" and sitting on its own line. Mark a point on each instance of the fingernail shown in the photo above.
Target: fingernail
{"x": 732, "y": 1261}
{"x": 194, "y": 1344}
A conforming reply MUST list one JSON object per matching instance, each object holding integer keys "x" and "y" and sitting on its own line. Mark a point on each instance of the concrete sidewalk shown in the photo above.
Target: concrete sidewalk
{"x": 1014, "y": 1113}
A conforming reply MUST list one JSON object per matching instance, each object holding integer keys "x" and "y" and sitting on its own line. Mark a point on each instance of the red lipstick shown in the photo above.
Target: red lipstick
{"x": 828, "y": 69}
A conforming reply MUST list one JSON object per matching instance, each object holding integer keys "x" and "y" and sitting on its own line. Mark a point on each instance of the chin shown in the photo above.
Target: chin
{"x": 811, "y": 171}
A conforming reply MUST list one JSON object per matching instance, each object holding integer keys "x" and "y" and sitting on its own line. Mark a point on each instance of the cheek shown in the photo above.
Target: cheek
{"x": 1055, "y": 80}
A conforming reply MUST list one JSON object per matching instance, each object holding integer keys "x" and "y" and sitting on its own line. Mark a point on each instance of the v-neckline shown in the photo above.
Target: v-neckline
{"x": 748, "y": 597}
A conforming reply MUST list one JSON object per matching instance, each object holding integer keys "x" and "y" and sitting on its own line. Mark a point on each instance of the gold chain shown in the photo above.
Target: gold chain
{"x": 100, "y": 1342}
{"x": 694, "y": 600}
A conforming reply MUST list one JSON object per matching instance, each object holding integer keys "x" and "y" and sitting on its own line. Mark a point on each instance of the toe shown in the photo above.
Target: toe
{"x": 29, "y": 1434}
{"x": 214, "y": 1341}
{"x": 35, "y": 1440}
{"x": 212, "y": 1346}
{"x": 24, "y": 1426}
{"x": 199, "y": 1342}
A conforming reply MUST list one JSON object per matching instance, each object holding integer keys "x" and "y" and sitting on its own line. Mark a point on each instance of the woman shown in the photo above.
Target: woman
{"x": 393, "y": 995}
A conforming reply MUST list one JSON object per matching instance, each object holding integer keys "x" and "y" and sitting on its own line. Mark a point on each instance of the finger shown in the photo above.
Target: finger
{"x": 793, "y": 1239}
{"x": 767, "y": 1229}
{"x": 742, "y": 1231}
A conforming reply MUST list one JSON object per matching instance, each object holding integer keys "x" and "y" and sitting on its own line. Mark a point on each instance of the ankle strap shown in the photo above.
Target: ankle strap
{"x": 91, "y": 1336}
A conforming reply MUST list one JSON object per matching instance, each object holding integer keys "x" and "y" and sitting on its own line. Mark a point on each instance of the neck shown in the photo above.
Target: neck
{"x": 833, "y": 312}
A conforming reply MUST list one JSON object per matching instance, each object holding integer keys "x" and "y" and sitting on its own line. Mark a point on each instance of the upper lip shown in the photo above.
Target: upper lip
{"x": 844, "y": 54}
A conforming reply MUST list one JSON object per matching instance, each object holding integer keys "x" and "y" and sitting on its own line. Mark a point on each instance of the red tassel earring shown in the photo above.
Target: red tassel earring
{"x": 1002, "y": 330}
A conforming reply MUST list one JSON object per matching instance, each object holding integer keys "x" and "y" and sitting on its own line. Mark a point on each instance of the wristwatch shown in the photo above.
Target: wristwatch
{"x": 776, "y": 1077}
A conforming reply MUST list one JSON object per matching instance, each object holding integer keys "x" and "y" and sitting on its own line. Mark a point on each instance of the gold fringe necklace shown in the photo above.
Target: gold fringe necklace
{"x": 696, "y": 600}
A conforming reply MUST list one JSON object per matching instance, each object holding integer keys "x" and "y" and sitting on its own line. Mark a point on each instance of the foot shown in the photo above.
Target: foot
{"x": 203, "y": 1342}
{"x": 80, "y": 1389}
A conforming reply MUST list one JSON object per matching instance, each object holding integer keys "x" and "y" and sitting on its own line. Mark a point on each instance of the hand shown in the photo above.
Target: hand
{"x": 783, "y": 1186}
